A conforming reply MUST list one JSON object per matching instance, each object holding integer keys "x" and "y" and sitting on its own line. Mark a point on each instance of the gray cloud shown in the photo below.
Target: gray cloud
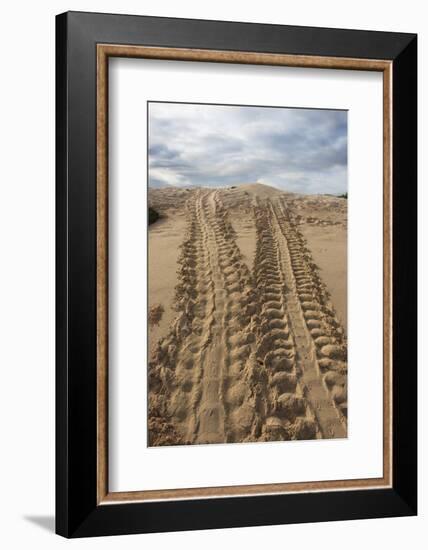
{"x": 298, "y": 150}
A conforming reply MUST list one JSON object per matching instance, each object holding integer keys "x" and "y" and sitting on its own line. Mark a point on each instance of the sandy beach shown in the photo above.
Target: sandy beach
{"x": 247, "y": 315}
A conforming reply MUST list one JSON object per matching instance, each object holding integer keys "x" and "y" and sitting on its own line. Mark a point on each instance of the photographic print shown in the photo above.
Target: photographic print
{"x": 211, "y": 286}
{"x": 247, "y": 274}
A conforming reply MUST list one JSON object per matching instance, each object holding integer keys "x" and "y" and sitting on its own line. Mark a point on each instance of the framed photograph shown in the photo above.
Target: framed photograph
{"x": 236, "y": 274}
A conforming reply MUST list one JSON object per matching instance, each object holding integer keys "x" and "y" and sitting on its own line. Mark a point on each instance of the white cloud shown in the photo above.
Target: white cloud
{"x": 212, "y": 145}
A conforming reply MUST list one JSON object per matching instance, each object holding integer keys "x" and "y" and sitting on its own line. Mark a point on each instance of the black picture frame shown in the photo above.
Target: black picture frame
{"x": 77, "y": 511}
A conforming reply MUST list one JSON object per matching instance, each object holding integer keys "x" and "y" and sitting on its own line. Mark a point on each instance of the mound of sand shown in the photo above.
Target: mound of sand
{"x": 258, "y": 190}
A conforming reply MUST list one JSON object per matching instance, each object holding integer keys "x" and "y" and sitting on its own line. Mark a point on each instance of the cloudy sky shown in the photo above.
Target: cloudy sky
{"x": 300, "y": 150}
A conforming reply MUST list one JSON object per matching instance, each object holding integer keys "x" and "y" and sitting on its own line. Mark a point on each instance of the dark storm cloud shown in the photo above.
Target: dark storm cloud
{"x": 294, "y": 149}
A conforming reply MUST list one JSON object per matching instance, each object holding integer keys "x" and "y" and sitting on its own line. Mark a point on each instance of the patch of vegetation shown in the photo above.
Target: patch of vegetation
{"x": 343, "y": 196}
{"x": 153, "y": 215}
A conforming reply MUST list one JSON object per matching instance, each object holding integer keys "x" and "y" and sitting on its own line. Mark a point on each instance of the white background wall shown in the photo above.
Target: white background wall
{"x": 27, "y": 270}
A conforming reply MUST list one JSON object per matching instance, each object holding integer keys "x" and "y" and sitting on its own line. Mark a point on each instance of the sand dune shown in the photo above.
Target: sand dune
{"x": 253, "y": 349}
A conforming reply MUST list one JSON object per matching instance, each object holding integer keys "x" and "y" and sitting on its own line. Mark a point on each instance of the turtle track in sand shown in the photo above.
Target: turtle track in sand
{"x": 284, "y": 411}
{"x": 319, "y": 338}
{"x": 251, "y": 356}
{"x": 197, "y": 387}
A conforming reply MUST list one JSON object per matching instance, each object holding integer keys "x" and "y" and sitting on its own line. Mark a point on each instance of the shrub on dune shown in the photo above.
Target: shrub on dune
{"x": 153, "y": 215}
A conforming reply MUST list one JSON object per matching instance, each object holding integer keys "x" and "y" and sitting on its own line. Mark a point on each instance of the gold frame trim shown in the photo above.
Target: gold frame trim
{"x": 104, "y": 51}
